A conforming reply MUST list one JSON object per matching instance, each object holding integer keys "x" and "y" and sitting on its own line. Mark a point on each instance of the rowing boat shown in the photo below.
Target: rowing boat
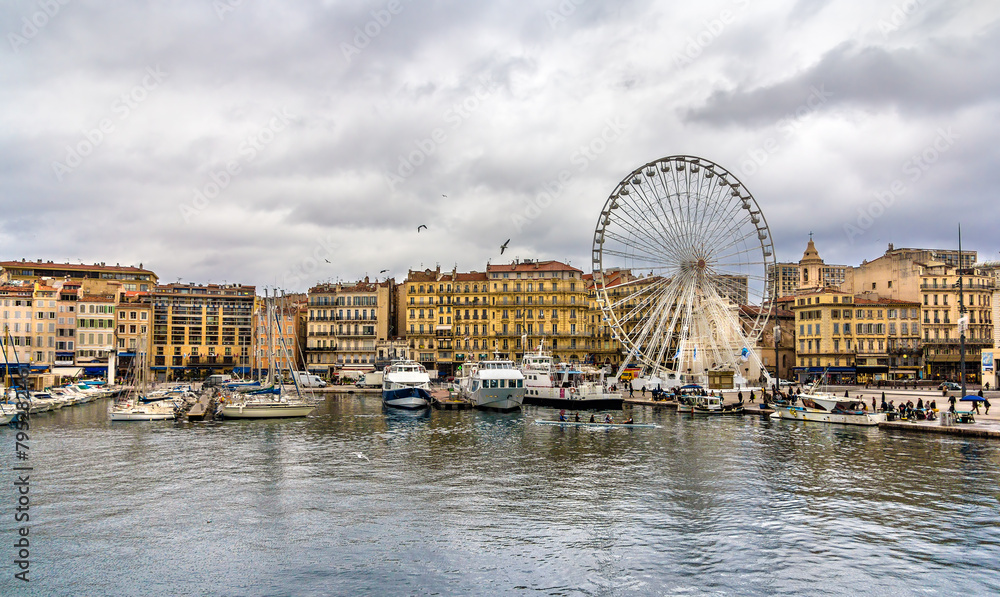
{"x": 596, "y": 424}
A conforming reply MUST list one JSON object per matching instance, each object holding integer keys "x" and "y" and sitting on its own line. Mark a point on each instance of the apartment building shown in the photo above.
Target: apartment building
{"x": 200, "y": 329}
{"x": 345, "y": 324}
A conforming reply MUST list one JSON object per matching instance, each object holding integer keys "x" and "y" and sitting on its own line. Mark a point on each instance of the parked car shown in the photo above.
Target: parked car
{"x": 950, "y": 385}
{"x": 784, "y": 383}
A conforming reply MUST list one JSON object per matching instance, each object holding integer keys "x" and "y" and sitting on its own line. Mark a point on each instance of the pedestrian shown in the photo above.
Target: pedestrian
{"x": 739, "y": 396}
{"x": 920, "y": 404}
{"x": 643, "y": 391}
{"x": 630, "y": 390}
{"x": 752, "y": 397}
{"x": 986, "y": 403}
{"x": 874, "y": 408}
{"x": 975, "y": 406}
{"x": 979, "y": 393}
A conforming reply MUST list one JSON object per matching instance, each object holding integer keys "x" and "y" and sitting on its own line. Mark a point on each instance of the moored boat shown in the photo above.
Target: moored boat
{"x": 406, "y": 384}
{"x": 493, "y": 385}
{"x": 563, "y": 386}
{"x": 828, "y": 408}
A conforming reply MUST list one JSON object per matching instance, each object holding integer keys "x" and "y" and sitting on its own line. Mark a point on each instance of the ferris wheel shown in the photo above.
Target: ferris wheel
{"x": 681, "y": 256}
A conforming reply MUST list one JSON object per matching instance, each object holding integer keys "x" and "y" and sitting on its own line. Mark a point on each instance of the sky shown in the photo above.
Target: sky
{"x": 284, "y": 144}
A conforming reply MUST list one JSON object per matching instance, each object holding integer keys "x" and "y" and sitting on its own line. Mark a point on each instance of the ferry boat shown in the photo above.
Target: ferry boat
{"x": 494, "y": 385}
{"x": 406, "y": 384}
{"x": 563, "y": 386}
{"x": 828, "y": 408}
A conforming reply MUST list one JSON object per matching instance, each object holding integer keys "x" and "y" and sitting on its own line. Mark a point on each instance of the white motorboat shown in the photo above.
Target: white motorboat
{"x": 564, "y": 386}
{"x": 406, "y": 384}
{"x": 828, "y": 408}
{"x": 131, "y": 406}
{"x": 496, "y": 385}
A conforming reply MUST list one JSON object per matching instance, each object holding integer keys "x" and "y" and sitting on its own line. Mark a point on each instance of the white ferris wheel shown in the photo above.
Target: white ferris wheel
{"x": 680, "y": 261}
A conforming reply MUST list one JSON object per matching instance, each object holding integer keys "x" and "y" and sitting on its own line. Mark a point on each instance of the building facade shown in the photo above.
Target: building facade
{"x": 345, "y": 324}
{"x": 199, "y": 330}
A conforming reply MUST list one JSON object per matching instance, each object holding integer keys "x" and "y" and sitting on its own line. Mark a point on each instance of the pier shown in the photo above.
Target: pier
{"x": 443, "y": 400}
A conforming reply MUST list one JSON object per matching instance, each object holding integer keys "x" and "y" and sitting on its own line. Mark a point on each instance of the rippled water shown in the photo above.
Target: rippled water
{"x": 467, "y": 502}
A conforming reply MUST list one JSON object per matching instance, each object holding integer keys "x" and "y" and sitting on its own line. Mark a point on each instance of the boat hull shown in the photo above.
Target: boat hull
{"x": 265, "y": 411}
{"x": 798, "y": 413}
{"x": 596, "y": 424}
{"x": 718, "y": 411}
{"x": 503, "y": 400}
{"x": 576, "y": 403}
{"x": 406, "y": 398}
{"x": 140, "y": 415}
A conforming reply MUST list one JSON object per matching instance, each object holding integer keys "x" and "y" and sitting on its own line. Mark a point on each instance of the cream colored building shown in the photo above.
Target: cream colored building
{"x": 345, "y": 324}
{"x": 95, "y": 332}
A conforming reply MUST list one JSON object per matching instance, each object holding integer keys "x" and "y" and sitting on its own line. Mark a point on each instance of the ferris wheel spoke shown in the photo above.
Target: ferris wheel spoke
{"x": 638, "y": 231}
{"x": 651, "y": 224}
{"x": 638, "y": 236}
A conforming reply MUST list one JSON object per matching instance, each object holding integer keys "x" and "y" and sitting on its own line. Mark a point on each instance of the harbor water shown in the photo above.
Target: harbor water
{"x": 355, "y": 500}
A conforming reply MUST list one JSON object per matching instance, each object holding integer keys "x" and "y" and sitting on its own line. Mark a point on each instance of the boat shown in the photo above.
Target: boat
{"x": 828, "y": 408}
{"x": 563, "y": 386}
{"x": 7, "y": 413}
{"x": 713, "y": 405}
{"x": 269, "y": 401}
{"x": 406, "y": 384}
{"x": 131, "y": 407}
{"x": 494, "y": 385}
{"x": 595, "y": 424}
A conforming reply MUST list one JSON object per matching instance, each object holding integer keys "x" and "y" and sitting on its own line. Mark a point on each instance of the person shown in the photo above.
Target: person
{"x": 752, "y": 397}
{"x": 846, "y": 394}
{"x": 643, "y": 391}
{"x": 951, "y": 401}
{"x": 576, "y": 417}
{"x": 874, "y": 408}
{"x": 628, "y": 421}
{"x": 885, "y": 406}
{"x": 980, "y": 393}
{"x": 630, "y": 390}
{"x": 933, "y": 405}
{"x": 739, "y": 396}
{"x": 592, "y": 418}
{"x": 562, "y": 415}
{"x": 975, "y": 406}
{"x": 920, "y": 404}
{"x": 987, "y": 386}
{"x": 607, "y": 418}
{"x": 986, "y": 403}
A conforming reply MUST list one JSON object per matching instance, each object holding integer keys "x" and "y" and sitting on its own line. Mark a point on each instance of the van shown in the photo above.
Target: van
{"x": 308, "y": 380}
{"x": 216, "y": 380}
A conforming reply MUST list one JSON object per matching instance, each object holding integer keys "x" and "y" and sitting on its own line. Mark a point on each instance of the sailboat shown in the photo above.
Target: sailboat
{"x": 133, "y": 405}
{"x": 268, "y": 402}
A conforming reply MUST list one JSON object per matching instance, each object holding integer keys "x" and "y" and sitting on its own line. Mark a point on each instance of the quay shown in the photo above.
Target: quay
{"x": 986, "y": 425}
{"x": 441, "y": 399}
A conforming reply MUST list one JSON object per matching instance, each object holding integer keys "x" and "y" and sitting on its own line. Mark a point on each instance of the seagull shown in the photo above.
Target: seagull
{"x": 383, "y": 271}
{"x": 503, "y": 247}
{"x": 360, "y": 455}
{"x": 421, "y": 226}
{"x": 327, "y": 260}
{"x": 443, "y": 195}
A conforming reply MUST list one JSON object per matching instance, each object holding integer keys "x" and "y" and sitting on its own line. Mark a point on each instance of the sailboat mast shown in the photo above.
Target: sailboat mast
{"x": 962, "y": 323}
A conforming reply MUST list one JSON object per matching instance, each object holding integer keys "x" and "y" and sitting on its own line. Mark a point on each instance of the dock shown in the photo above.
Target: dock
{"x": 443, "y": 400}
{"x": 203, "y": 408}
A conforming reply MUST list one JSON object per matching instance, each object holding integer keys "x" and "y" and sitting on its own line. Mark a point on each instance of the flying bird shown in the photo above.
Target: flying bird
{"x": 383, "y": 271}
{"x": 360, "y": 455}
{"x": 503, "y": 247}
{"x": 327, "y": 260}
{"x": 443, "y": 195}
{"x": 421, "y": 226}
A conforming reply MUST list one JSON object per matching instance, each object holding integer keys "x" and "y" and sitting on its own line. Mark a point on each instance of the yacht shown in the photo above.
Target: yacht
{"x": 495, "y": 385}
{"x": 825, "y": 407}
{"x": 564, "y": 386}
{"x": 406, "y": 384}
{"x": 268, "y": 403}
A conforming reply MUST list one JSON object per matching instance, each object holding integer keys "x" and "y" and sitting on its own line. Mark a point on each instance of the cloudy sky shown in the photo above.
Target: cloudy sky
{"x": 253, "y": 141}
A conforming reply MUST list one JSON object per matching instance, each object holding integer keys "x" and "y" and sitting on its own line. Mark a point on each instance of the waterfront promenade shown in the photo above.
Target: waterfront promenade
{"x": 986, "y": 425}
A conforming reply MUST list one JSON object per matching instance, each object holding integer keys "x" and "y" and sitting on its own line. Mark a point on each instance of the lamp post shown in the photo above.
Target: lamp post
{"x": 777, "y": 342}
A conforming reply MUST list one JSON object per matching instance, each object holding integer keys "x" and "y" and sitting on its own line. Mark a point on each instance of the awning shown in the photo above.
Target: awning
{"x": 96, "y": 370}
{"x": 67, "y": 371}
{"x": 873, "y": 369}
